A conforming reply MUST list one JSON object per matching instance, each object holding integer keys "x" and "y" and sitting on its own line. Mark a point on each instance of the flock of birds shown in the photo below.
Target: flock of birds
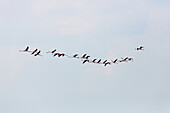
{"x": 84, "y": 58}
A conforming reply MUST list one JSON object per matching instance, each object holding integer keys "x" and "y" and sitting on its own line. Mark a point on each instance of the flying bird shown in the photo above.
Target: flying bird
{"x": 140, "y": 48}
{"x": 87, "y": 57}
{"x": 34, "y": 51}
{"x": 130, "y": 59}
{"x": 26, "y": 50}
{"x": 114, "y": 61}
{"x": 52, "y": 51}
{"x": 85, "y": 61}
{"x": 75, "y": 55}
{"x": 38, "y": 53}
{"x": 55, "y": 54}
{"x": 123, "y": 59}
{"x": 98, "y": 61}
{"x": 104, "y": 61}
{"x": 84, "y": 56}
{"x": 94, "y": 60}
{"x": 107, "y": 63}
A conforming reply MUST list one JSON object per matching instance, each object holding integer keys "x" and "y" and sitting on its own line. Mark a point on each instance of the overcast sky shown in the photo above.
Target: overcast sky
{"x": 106, "y": 29}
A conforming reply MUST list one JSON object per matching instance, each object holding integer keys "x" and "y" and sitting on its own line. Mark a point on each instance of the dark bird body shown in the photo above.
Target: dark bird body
{"x": 55, "y": 54}
{"x": 84, "y": 56}
{"x": 34, "y": 51}
{"x": 85, "y": 61}
{"x": 26, "y": 50}
{"x": 94, "y": 60}
{"x": 75, "y": 55}
{"x": 38, "y": 53}
{"x": 104, "y": 61}
{"x": 52, "y": 51}
{"x": 98, "y": 61}
{"x": 87, "y": 57}
{"x": 107, "y": 63}
{"x": 114, "y": 61}
{"x": 140, "y": 48}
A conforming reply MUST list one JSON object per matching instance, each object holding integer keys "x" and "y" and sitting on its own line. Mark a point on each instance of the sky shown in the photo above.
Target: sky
{"x": 104, "y": 29}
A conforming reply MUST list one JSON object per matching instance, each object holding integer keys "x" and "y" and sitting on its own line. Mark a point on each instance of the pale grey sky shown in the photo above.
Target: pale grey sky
{"x": 105, "y": 29}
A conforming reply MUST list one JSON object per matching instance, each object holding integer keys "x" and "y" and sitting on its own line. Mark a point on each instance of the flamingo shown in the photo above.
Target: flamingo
{"x": 26, "y": 50}
{"x": 130, "y": 59}
{"x": 85, "y": 61}
{"x": 123, "y": 59}
{"x": 94, "y": 60}
{"x": 107, "y": 63}
{"x": 59, "y": 54}
{"x": 114, "y": 61}
{"x": 55, "y": 54}
{"x": 104, "y": 61}
{"x": 87, "y": 57}
{"x": 62, "y": 54}
{"x": 98, "y": 61}
{"x": 52, "y": 51}
{"x": 75, "y": 55}
{"x": 140, "y": 48}
{"x": 38, "y": 53}
{"x": 84, "y": 56}
{"x": 34, "y": 51}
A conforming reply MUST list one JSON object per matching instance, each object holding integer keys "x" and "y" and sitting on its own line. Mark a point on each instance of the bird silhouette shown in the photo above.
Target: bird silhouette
{"x": 34, "y": 51}
{"x": 98, "y": 61}
{"x": 84, "y": 56}
{"x": 75, "y": 55}
{"x": 51, "y": 51}
{"x": 87, "y": 57}
{"x": 38, "y": 53}
{"x": 114, "y": 61}
{"x": 94, "y": 60}
{"x": 62, "y": 54}
{"x": 59, "y": 54}
{"x": 130, "y": 59}
{"x": 55, "y": 54}
{"x": 107, "y": 63}
{"x": 123, "y": 59}
{"x": 26, "y": 50}
{"x": 104, "y": 61}
{"x": 140, "y": 48}
{"x": 85, "y": 61}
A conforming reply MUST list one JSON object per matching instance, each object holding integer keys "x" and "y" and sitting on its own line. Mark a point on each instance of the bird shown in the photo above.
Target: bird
{"x": 107, "y": 63}
{"x": 26, "y": 50}
{"x": 59, "y": 54}
{"x": 94, "y": 60}
{"x": 87, "y": 57}
{"x": 123, "y": 59}
{"x": 98, "y": 61}
{"x": 55, "y": 54}
{"x": 85, "y": 61}
{"x": 62, "y": 54}
{"x": 140, "y": 48}
{"x": 38, "y": 53}
{"x": 75, "y": 55}
{"x": 104, "y": 61}
{"x": 114, "y": 61}
{"x": 34, "y": 51}
{"x": 84, "y": 56}
{"x": 130, "y": 59}
{"x": 52, "y": 51}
